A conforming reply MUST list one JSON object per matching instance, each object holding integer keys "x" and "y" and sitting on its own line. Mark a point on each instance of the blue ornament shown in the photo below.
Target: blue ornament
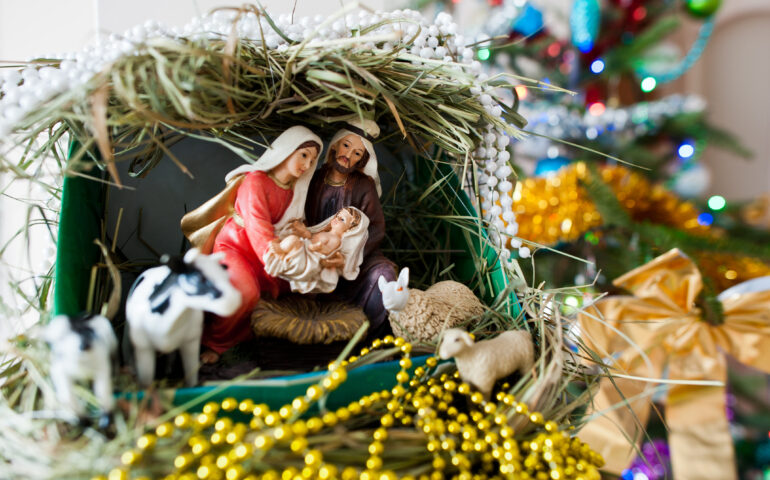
{"x": 547, "y": 165}
{"x": 584, "y": 22}
{"x": 529, "y": 22}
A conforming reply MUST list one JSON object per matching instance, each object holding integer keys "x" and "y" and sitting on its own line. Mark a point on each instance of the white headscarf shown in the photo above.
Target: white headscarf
{"x": 371, "y": 130}
{"x": 283, "y": 146}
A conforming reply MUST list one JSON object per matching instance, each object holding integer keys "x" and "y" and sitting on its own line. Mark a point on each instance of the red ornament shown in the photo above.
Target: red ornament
{"x": 593, "y": 94}
{"x": 495, "y": 3}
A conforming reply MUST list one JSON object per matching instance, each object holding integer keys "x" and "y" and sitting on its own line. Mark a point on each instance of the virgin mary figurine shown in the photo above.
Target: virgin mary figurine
{"x": 241, "y": 222}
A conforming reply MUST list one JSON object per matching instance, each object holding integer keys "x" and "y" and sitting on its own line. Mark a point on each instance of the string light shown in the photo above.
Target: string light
{"x": 597, "y": 66}
{"x": 717, "y": 202}
{"x": 522, "y": 92}
{"x": 649, "y": 84}
{"x": 705, "y": 219}
{"x": 686, "y": 150}
{"x": 483, "y": 54}
{"x": 553, "y": 151}
{"x": 554, "y": 49}
{"x": 596, "y": 109}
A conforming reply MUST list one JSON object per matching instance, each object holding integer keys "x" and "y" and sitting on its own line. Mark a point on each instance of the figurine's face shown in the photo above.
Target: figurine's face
{"x": 342, "y": 221}
{"x": 349, "y": 151}
{"x": 299, "y": 161}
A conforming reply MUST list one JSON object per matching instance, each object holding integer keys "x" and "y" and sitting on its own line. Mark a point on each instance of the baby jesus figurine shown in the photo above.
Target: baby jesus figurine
{"x": 303, "y": 259}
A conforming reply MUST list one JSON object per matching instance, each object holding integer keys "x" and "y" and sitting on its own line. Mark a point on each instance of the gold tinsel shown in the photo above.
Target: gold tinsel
{"x": 726, "y": 269}
{"x": 558, "y": 209}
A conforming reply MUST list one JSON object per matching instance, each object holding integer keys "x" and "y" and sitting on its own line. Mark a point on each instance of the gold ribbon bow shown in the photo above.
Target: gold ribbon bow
{"x": 663, "y": 321}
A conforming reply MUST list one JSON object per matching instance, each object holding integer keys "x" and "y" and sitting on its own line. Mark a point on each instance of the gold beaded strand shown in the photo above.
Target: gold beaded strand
{"x": 473, "y": 445}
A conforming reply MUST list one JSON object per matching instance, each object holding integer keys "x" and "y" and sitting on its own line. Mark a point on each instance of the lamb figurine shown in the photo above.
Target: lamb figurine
{"x": 481, "y": 364}
{"x": 82, "y": 348}
{"x": 421, "y": 315}
{"x": 165, "y": 309}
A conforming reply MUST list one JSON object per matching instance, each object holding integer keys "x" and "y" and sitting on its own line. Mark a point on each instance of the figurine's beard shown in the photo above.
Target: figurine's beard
{"x": 341, "y": 168}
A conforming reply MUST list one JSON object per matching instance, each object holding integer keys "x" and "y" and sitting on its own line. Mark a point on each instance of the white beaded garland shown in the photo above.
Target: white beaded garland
{"x": 505, "y": 186}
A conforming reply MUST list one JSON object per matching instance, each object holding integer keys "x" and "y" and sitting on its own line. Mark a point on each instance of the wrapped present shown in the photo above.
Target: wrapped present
{"x": 659, "y": 330}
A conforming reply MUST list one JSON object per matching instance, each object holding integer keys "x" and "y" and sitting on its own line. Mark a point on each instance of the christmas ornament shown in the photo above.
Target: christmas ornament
{"x": 691, "y": 181}
{"x": 685, "y": 64}
{"x": 653, "y": 463}
{"x": 548, "y": 165}
{"x": 529, "y": 21}
{"x": 665, "y": 327}
{"x": 660, "y": 58}
{"x": 584, "y": 21}
{"x": 702, "y": 8}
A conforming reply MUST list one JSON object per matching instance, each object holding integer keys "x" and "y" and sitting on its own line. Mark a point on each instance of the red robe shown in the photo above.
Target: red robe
{"x": 261, "y": 203}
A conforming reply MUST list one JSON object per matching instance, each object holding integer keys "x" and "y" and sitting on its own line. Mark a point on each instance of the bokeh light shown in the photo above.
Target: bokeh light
{"x": 686, "y": 150}
{"x": 705, "y": 219}
{"x": 717, "y": 202}
{"x": 649, "y": 84}
{"x": 596, "y": 109}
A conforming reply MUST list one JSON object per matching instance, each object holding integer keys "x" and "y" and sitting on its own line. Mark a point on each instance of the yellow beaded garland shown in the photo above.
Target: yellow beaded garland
{"x": 474, "y": 445}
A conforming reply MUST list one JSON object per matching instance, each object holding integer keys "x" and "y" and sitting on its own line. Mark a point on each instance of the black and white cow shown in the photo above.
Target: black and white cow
{"x": 82, "y": 348}
{"x": 165, "y": 309}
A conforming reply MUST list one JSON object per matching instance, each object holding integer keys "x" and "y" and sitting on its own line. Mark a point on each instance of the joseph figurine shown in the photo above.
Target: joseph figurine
{"x": 349, "y": 178}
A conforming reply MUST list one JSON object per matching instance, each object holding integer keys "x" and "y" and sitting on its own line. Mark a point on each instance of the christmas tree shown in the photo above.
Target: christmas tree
{"x": 609, "y": 177}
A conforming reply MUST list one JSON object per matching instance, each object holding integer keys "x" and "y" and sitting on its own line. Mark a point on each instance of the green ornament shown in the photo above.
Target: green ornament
{"x": 702, "y": 8}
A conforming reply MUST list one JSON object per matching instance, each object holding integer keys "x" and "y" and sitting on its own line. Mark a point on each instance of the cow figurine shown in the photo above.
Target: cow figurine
{"x": 165, "y": 309}
{"x": 82, "y": 348}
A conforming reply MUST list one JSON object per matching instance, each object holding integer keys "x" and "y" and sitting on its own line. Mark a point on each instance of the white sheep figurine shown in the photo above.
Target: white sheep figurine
{"x": 421, "y": 315}
{"x": 82, "y": 349}
{"x": 165, "y": 309}
{"x": 483, "y": 363}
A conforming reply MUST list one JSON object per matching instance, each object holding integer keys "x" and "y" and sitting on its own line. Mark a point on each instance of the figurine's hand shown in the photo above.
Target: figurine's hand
{"x": 275, "y": 245}
{"x": 299, "y": 229}
{"x": 334, "y": 261}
